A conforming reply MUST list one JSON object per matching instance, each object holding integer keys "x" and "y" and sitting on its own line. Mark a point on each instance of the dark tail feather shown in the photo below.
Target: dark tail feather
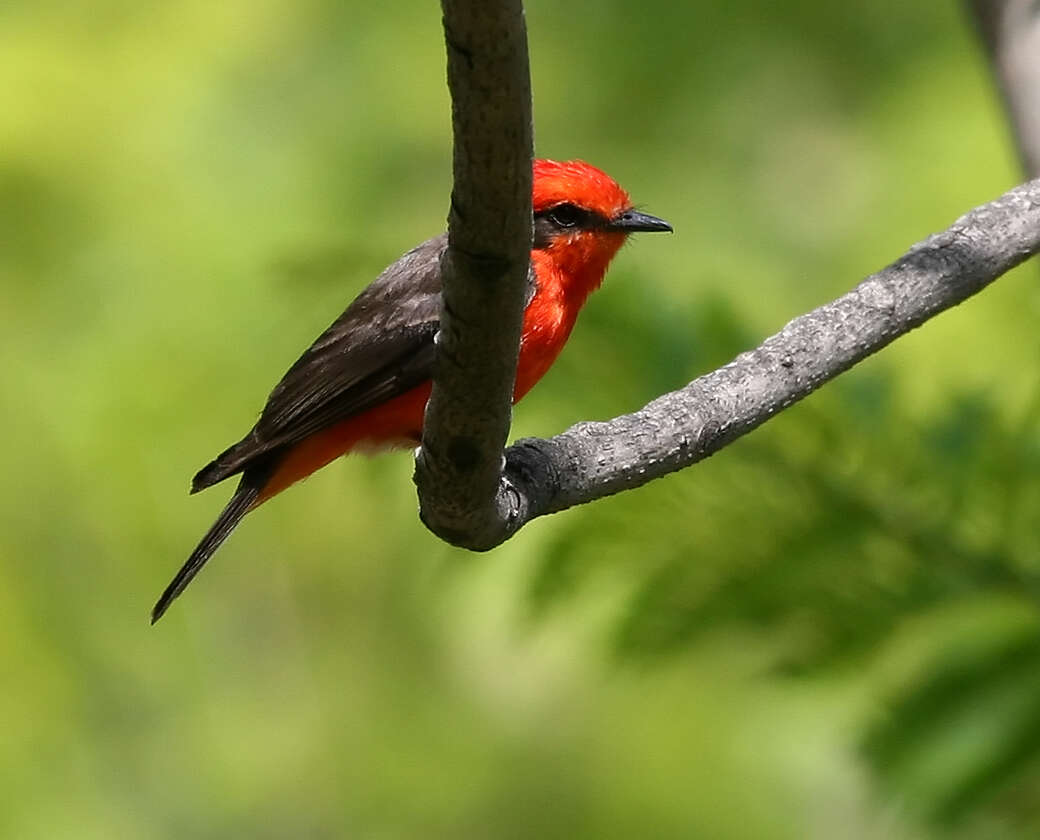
{"x": 248, "y": 491}
{"x": 231, "y": 461}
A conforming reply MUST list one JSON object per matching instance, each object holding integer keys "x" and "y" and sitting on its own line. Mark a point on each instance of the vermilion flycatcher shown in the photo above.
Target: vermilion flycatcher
{"x": 364, "y": 383}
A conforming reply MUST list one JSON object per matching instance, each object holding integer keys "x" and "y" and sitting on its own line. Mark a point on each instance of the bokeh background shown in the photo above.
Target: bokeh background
{"x": 830, "y": 629}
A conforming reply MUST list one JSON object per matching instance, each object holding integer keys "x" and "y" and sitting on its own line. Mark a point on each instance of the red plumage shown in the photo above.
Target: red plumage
{"x": 365, "y": 381}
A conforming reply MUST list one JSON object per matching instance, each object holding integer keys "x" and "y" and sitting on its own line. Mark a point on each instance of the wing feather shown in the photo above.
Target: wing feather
{"x": 380, "y": 347}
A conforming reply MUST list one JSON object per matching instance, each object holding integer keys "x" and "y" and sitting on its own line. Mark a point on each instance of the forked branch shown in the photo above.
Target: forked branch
{"x": 467, "y": 496}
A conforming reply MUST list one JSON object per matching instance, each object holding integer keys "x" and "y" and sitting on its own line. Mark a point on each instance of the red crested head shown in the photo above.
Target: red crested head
{"x": 579, "y": 183}
{"x": 581, "y": 218}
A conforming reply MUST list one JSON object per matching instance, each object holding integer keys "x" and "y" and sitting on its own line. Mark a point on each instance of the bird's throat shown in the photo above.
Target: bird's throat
{"x": 581, "y": 262}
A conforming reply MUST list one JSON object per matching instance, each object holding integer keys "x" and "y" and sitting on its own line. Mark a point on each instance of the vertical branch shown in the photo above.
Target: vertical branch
{"x": 484, "y": 270}
{"x": 1011, "y": 32}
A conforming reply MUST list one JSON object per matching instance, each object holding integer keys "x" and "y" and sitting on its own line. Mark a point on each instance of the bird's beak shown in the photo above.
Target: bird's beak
{"x": 630, "y": 221}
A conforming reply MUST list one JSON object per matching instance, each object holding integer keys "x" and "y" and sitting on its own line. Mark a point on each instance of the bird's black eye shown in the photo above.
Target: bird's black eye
{"x": 567, "y": 215}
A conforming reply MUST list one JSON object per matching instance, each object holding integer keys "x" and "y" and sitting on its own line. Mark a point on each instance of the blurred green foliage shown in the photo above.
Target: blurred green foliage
{"x": 828, "y": 630}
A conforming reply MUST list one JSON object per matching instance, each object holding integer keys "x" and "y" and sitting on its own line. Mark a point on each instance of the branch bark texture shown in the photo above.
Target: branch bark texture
{"x": 484, "y": 270}
{"x": 471, "y": 497}
{"x": 593, "y": 460}
{"x": 1011, "y": 32}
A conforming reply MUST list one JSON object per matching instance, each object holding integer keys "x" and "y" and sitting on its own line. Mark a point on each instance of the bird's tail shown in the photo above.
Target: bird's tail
{"x": 239, "y": 505}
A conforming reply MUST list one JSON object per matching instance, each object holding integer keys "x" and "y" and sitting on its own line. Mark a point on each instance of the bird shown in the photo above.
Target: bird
{"x": 364, "y": 382}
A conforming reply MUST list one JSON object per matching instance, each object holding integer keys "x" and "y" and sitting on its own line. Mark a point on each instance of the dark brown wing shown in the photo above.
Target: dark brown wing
{"x": 380, "y": 347}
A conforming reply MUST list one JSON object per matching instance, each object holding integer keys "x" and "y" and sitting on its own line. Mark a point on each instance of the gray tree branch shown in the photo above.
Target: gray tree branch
{"x": 1011, "y": 32}
{"x": 468, "y": 494}
{"x": 458, "y": 469}
{"x": 593, "y": 460}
